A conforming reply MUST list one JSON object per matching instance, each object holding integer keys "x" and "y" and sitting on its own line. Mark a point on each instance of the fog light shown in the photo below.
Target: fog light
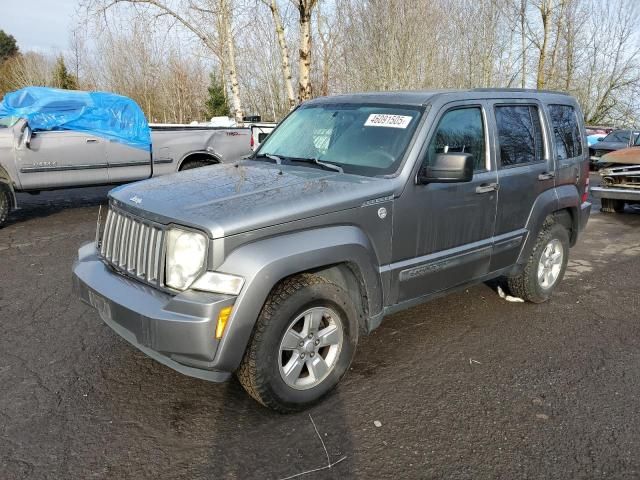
{"x": 223, "y": 317}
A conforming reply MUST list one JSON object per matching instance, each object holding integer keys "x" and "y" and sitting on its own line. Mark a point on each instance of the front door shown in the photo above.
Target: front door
{"x": 443, "y": 231}
{"x": 62, "y": 158}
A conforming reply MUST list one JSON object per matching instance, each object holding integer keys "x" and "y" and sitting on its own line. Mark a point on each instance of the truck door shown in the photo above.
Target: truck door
{"x": 525, "y": 170}
{"x": 443, "y": 231}
{"x": 55, "y": 159}
{"x": 127, "y": 163}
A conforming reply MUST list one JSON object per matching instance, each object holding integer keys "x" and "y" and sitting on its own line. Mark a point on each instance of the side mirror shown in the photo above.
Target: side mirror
{"x": 448, "y": 168}
{"x": 600, "y": 139}
{"x": 26, "y": 136}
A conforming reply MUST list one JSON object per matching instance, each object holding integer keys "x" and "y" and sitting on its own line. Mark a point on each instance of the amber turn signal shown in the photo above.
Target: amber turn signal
{"x": 223, "y": 317}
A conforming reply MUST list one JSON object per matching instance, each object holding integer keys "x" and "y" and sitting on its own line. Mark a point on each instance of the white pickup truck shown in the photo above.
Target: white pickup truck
{"x": 78, "y": 153}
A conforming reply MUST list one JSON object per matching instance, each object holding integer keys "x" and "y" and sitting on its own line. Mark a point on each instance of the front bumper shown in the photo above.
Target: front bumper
{"x": 177, "y": 331}
{"x": 626, "y": 194}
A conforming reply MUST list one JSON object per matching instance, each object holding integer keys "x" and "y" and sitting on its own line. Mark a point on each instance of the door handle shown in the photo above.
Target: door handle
{"x": 487, "y": 187}
{"x": 546, "y": 176}
{"x": 91, "y": 140}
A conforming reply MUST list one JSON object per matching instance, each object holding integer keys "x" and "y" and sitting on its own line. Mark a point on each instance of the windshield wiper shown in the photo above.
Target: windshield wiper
{"x": 330, "y": 166}
{"x": 275, "y": 158}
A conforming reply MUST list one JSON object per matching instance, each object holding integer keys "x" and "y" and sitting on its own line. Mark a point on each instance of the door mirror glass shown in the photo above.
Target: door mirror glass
{"x": 448, "y": 168}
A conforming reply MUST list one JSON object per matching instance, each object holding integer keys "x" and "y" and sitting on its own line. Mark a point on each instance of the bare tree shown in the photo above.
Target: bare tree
{"x": 284, "y": 50}
{"x": 305, "y": 10}
{"x": 198, "y": 18}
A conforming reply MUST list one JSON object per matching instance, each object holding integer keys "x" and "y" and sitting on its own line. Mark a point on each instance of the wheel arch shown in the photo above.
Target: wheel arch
{"x": 199, "y": 155}
{"x": 264, "y": 264}
{"x": 561, "y": 202}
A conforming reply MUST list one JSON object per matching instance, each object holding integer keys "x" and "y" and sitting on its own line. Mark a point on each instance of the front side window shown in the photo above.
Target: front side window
{"x": 519, "y": 135}
{"x": 460, "y": 131}
{"x": 566, "y": 131}
{"x": 362, "y": 139}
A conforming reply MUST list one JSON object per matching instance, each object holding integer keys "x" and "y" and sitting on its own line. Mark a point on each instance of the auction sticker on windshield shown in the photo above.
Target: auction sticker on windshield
{"x": 385, "y": 120}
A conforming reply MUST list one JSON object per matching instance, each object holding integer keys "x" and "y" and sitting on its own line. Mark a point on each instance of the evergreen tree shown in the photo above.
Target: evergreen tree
{"x": 216, "y": 105}
{"x": 8, "y": 46}
{"x": 61, "y": 76}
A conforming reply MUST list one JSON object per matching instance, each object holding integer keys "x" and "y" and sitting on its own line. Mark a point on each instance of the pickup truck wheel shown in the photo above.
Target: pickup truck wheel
{"x": 302, "y": 344}
{"x": 5, "y": 205}
{"x": 190, "y": 164}
{"x": 545, "y": 267}
{"x": 611, "y": 205}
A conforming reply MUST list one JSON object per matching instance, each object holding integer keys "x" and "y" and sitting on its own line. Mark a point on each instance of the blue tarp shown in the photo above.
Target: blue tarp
{"x": 103, "y": 114}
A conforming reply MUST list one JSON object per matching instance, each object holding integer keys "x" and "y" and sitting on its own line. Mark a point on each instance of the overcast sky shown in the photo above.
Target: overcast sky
{"x": 41, "y": 25}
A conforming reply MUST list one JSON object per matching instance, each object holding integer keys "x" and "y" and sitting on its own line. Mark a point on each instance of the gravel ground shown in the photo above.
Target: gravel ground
{"x": 467, "y": 386}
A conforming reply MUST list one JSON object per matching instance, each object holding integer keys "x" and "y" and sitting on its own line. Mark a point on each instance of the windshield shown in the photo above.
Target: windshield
{"x": 6, "y": 122}
{"x": 620, "y": 136}
{"x": 362, "y": 139}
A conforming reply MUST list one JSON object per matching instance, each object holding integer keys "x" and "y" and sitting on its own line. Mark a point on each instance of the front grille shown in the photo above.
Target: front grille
{"x": 600, "y": 153}
{"x": 133, "y": 246}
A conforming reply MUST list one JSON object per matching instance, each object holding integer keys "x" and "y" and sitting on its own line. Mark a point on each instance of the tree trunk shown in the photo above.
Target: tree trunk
{"x": 236, "y": 102}
{"x": 523, "y": 21}
{"x": 305, "y": 7}
{"x": 284, "y": 53}
{"x": 545, "y": 14}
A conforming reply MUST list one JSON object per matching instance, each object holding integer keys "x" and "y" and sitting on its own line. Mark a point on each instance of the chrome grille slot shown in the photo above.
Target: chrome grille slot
{"x": 133, "y": 246}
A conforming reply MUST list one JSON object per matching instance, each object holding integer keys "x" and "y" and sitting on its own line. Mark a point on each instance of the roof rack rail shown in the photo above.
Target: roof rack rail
{"x": 527, "y": 90}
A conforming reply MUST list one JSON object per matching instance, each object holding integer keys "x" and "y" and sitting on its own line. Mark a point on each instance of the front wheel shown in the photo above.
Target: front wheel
{"x": 546, "y": 265}
{"x": 5, "y": 205}
{"x": 302, "y": 345}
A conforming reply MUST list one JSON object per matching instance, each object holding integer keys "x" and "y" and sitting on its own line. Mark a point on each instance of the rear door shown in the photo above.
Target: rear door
{"x": 62, "y": 158}
{"x": 525, "y": 170}
{"x": 127, "y": 163}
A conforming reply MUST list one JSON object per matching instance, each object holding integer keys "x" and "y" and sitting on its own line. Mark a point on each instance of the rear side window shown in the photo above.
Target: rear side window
{"x": 460, "y": 131}
{"x": 566, "y": 131}
{"x": 519, "y": 135}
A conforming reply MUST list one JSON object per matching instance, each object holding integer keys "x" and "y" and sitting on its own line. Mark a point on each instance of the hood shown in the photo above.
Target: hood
{"x": 608, "y": 146}
{"x": 627, "y": 156}
{"x": 234, "y": 198}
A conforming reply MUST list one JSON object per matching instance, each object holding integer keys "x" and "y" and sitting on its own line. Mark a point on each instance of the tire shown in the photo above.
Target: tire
{"x": 262, "y": 371}
{"x": 611, "y": 205}
{"x": 5, "y": 205}
{"x": 191, "y": 164}
{"x": 528, "y": 285}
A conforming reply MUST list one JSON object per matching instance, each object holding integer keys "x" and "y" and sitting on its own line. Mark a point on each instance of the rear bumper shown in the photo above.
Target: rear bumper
{"x": 616, "y": 194}
{"x": 585, "y": 212}
{"x": 177, "y": 331}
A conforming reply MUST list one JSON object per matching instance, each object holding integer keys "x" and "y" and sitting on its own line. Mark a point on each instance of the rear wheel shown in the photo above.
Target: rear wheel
{"x": 302, "y": 345}
{"x": 191, "y": 164}
{"x": 546, "y": 265}
{"x": 611, "y": 205}
{"x": 5, "y": 204}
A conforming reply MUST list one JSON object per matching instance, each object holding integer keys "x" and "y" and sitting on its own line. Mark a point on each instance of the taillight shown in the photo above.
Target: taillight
{"x": 251, "y": 142}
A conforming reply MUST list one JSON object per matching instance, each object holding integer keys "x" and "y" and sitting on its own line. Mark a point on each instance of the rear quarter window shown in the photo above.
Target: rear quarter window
{"x": 566, "y": 132}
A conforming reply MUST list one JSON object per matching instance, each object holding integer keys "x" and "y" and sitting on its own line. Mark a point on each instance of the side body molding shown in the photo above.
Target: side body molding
{"x": 265, "y": 262}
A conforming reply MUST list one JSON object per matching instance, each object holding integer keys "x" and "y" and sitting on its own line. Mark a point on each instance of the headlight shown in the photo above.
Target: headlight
{"x": 219, "y": 283}
{"x": 185, "y": 258}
